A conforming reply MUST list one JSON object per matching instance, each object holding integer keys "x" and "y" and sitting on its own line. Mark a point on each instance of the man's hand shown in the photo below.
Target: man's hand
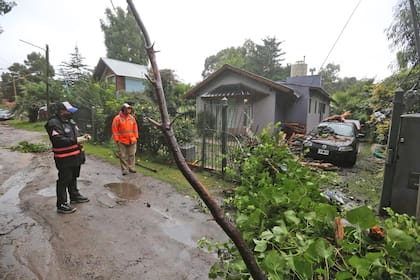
{"x": 83, "y": 138}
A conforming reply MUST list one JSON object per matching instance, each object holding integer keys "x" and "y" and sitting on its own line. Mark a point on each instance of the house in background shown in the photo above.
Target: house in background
{"x": 313, "y": 104}
{"x": 126, "y": 76}
{"x": 254, "y": 102}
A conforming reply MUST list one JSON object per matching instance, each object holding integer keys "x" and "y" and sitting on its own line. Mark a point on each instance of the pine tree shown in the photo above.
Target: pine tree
{"x": 74, "y": 70}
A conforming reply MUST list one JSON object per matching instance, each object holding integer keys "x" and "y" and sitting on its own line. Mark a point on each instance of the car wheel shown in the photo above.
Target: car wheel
{"x": 352, "y": 160}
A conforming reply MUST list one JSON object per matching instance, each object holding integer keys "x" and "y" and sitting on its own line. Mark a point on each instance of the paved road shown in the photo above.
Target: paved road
{"x": 134, "y": 227}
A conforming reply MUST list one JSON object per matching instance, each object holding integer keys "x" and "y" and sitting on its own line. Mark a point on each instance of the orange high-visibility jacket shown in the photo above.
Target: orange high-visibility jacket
{"x": 124, "y": 129}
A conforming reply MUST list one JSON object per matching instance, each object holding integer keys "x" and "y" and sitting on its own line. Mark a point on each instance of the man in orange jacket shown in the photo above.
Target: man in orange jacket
{"x": 125, "y": 134}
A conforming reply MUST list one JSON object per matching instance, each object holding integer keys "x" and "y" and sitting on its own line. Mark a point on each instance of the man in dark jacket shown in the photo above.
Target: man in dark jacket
{"x": 68, "y": 151}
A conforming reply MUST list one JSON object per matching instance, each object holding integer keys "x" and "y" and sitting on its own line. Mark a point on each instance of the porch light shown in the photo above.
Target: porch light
{"x": 224, "y": 101}
{"x": 245, "y": 101}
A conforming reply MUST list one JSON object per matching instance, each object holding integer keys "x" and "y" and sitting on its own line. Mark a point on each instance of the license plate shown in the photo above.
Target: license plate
{"x": 323, "y": 152}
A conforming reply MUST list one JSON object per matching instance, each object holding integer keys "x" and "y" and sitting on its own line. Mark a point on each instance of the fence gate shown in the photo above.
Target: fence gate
{"x": 219, "y": 135}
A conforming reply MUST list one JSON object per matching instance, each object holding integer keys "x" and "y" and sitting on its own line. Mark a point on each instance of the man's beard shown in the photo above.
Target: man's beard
{"x": 68, "y": 116}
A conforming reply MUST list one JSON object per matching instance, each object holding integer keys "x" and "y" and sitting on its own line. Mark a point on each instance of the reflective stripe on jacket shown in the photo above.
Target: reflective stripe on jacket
{"x": 67, "y": 151}
{"x": 63, "y": 135}
{"x": 124, "y": 129}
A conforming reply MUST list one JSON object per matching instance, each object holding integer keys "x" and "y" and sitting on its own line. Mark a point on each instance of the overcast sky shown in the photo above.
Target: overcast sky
{"x": 186, "y": 32}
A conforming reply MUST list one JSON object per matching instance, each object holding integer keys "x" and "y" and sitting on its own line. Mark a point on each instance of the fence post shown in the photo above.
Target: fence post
{"x": 224, "y": 134}
{"x": 203, "y": 149}
{"x": 203, "y": 143}
{"x": 92, "y": 109}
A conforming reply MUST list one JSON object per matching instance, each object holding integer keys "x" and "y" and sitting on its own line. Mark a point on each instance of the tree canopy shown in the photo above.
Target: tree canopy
{"x": 264, "y": 60}
{"x": 5, "y": 7}
{"x": 33, "y": 70}
{"x": 401, "y": 33}
{"x": 123, "y": 40}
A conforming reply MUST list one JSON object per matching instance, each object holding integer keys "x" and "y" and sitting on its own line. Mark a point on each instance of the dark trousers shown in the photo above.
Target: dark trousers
{"x": 67, "y": 181}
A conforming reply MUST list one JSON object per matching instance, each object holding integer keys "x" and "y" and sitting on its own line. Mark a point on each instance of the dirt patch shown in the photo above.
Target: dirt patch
{"x": 137, "y": 228}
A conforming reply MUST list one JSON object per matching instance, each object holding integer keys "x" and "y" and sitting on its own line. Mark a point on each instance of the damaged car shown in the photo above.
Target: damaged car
{"x": 335, "y": 142}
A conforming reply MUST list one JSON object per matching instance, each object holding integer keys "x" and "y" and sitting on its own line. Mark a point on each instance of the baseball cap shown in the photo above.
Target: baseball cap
{"x": 67, "y": 106}
{"x": 126, "y": 105}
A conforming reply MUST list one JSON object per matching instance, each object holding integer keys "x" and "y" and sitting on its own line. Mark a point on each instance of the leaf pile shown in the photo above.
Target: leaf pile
{"x": 26, "y": 147}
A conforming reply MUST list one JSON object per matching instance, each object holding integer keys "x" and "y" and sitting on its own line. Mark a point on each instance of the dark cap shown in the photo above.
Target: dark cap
{"x": 66, "y": 106}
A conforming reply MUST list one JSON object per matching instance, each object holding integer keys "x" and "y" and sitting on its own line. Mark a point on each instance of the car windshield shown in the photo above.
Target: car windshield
{"x": 334, "y": 128}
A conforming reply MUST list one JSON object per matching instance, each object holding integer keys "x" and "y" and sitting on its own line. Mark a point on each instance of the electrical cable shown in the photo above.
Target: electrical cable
{"x": 338, "y": 38}
{"x": 113, "y": 7}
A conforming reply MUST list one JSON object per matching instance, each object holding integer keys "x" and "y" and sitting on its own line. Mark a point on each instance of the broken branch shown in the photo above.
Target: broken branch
{"x": 228, "y": 227}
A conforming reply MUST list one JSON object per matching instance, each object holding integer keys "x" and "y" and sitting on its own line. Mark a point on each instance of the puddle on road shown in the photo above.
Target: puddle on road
{"x": 180, "y": 232}
{"x": 124, "y": 190}
{"x": 48, "y": 192}
{"x": 11, "y": 188}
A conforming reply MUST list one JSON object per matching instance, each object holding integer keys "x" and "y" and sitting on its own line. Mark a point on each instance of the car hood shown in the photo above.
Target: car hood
{"x": 332, "y": 140}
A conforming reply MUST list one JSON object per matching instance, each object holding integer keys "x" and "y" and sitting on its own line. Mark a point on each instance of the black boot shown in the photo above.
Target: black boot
{"x": 79, "y": 199}
{"x": 65, "y": 209}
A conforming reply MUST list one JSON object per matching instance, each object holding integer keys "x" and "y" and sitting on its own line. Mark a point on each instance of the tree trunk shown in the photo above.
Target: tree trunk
{"x": 166, "y": 127}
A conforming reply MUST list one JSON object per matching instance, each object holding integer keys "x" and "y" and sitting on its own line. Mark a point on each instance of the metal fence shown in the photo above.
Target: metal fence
{"x": 214, "y": 144}
{"x": 211, "y": 146}
{"x": 211, "y": 152}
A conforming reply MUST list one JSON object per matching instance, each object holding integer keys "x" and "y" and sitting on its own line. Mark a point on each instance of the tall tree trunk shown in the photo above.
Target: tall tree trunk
{"x": 166, "y": 127}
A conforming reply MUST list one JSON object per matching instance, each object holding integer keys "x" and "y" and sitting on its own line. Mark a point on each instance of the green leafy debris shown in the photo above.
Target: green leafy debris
{"x": 26, "y": 147}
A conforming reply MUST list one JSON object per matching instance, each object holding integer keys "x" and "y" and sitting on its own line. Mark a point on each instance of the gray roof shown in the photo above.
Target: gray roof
{"x": 229, "y": 91}
{"x": 126, "y": 69}
{"x": 311, "y": 81}
{"x": 277, "y": 87}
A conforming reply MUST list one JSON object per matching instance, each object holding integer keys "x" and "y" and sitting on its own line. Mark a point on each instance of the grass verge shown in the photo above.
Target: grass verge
{"x": 36, "y": 126}
{"x": 165, "y": 171}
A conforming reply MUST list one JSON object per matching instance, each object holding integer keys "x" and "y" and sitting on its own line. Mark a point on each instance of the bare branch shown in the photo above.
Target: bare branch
{"x": 155, "y": 123}
{"x": 219, "y": 216}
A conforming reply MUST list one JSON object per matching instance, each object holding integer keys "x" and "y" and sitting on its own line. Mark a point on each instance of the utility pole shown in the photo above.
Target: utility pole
{"x": 14, "y": 87}
{"x": 47, "y": 74}
{"x": 47, "y": 58}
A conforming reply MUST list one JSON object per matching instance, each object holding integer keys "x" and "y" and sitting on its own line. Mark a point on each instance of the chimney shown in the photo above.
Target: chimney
{"x": 298, "y": 69}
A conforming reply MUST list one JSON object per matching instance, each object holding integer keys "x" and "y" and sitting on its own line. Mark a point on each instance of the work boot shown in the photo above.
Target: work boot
{"x": 132, "y": 170}
{"x": 124, "y": 172}
{"x": 65, "y": 209}
{"x": 79, "y": 199}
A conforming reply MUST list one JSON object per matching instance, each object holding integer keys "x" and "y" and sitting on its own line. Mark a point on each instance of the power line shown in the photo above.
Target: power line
{"x": 113, "y": 7}
{"x": 342, "y": 30}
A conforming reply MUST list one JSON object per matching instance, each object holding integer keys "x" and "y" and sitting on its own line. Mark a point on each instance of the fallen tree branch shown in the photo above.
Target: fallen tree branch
{"x": 219, "y": 216}
{"x": 136, "y": 163}
{"x": 155, "y": 123}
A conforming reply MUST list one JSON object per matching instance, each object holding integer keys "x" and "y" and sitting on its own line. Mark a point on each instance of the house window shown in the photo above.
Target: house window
{"x": 310, "y": 104}
{"x": 247, "y": 116}
{"x": 134, "y": 85}
{"x": 322, "y": 108}
{"x": 316, "y": 105}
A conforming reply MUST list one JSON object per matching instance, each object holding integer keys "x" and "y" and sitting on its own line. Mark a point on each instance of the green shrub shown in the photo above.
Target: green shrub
{"x": 291, "y": 228}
